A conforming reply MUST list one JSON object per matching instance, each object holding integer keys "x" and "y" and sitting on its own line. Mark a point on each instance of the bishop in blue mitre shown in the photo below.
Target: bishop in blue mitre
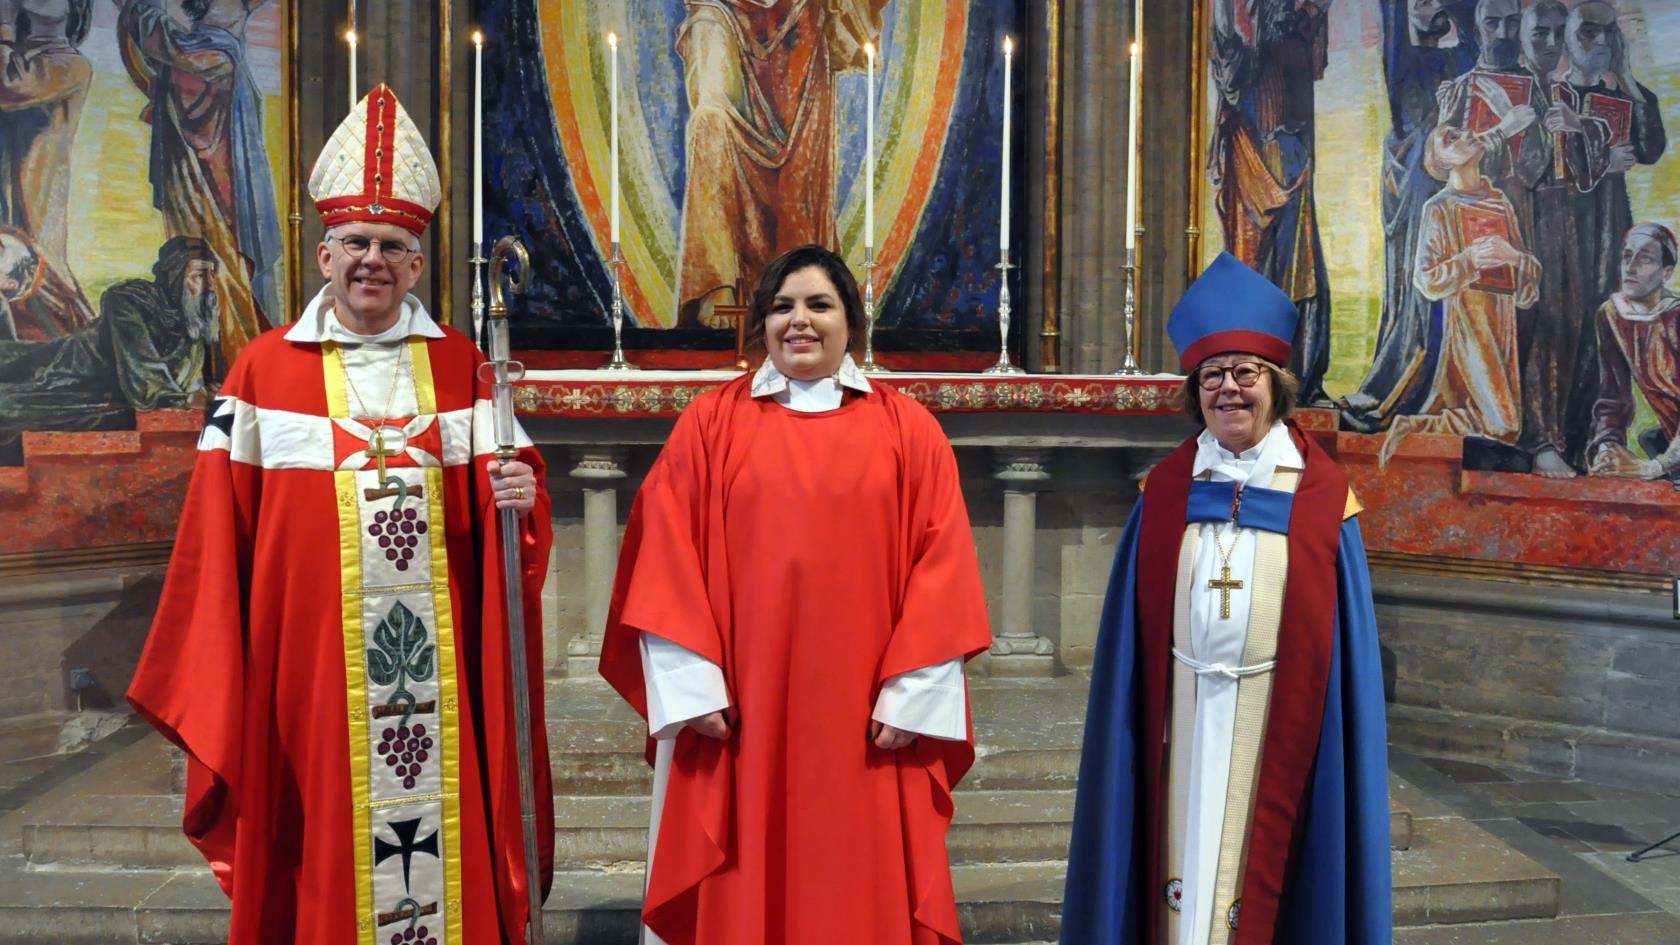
{"x": 1234, "y": 782}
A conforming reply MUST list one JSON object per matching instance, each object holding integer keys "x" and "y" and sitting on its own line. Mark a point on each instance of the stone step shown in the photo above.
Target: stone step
{"x": 998, "y": 904}
{"x": 1455, "y": 872}
{"x": 144, "y": 831}
{"x": 592, "y": 831}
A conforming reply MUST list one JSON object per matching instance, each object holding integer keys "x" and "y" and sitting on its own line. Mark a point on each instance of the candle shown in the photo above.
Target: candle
{"x": 612, "y": 43}
{"x": 1132, "y": 147}
{"x": 478, "y": 143}
{"x": 1003, "y": 226}
{"x": 869, "y": 151}
{"x": 351, "y": 36}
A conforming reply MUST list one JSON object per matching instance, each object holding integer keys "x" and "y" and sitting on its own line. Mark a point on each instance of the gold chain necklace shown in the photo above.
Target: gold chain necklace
{"x": 390, "y": 396}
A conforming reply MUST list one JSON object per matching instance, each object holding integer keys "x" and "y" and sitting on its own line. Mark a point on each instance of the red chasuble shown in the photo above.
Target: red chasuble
{"x": 812, "y": 556}
{"x": 334, "y": 662}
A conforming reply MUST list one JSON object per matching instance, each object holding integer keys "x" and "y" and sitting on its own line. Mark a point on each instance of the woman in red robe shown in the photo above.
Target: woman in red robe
{"x": 796, "y": 594}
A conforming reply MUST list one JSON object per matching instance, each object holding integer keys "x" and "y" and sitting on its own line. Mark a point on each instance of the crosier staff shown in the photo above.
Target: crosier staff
{"x": 501, "y": 373}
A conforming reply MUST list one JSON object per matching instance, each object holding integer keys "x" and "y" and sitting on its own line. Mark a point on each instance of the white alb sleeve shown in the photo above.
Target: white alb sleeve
{"x": 681, "y": 685}
{"x": 929, "y": 701}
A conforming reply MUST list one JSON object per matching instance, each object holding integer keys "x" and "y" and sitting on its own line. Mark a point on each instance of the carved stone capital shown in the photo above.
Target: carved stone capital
{"x": 1021, "y": 468}
{"x": 598, "y": 463}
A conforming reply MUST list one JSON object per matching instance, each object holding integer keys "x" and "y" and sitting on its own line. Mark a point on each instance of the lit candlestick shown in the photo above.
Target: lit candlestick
{"x": 478, "y": 143}
{"x": 869, "y": 151}
{"x": 1132, "y": 146}
{"x": 1003, "y": 226}
{"x": 612, "y": 44}
{"x": 351, "y": 36}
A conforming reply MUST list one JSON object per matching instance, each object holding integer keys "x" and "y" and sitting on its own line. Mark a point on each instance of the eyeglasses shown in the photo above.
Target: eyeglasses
{"x": 357, "y": 246}
{"x": 1245, "y": 373}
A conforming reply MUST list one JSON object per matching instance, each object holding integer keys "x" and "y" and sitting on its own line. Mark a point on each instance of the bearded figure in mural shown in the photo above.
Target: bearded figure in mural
{"x": 760, "y": 76}
{"x": 1267, "y": 55}
{"x": 209, "y": 166}
{"x": 44, "y": 82}
{"x": 145, "y": 351}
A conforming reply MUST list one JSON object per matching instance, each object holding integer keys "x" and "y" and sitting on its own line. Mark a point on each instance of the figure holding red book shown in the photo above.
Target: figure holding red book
{"x": 1470, "y": 259}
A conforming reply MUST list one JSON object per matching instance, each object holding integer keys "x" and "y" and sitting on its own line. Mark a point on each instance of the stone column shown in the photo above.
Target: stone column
{"x": 1018, "y": 651}
{"x": 600, "y": 469}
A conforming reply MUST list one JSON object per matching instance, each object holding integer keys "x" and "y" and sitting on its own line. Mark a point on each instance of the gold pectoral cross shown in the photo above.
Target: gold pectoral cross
{"x": 1224, "y": 585}
{"x": 389, "y": 485}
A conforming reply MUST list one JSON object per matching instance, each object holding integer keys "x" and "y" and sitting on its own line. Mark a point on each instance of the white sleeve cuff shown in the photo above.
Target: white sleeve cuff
{"x": 930, "y": 701}
{"x": 681, "y": 685}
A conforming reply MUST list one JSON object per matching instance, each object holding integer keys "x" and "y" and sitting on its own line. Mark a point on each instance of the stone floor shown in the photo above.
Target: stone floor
{"x": 1583, "y": 832}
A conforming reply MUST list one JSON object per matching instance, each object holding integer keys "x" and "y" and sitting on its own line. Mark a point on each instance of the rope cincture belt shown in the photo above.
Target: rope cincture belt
{"x": 1220, "y": 669}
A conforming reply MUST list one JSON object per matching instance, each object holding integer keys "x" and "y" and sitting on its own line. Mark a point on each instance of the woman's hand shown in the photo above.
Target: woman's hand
{"x": 889, "y": 738}
{"x": 715, "y": 724}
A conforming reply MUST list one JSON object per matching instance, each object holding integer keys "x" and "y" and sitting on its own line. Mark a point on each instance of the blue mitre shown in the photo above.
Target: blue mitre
{"x": 1230, "y": 307}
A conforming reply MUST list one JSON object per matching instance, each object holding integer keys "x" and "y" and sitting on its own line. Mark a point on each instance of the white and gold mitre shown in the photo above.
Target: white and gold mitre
{"x": 376, "y": 168}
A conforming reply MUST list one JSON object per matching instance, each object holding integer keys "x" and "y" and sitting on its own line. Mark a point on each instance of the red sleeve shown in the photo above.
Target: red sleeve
{"x": 662, "y": 580}
{"x": 191, "y": 676}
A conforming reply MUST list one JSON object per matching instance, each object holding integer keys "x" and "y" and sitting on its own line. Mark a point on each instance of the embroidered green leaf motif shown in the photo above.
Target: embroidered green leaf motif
{"x": 401, "y": 653}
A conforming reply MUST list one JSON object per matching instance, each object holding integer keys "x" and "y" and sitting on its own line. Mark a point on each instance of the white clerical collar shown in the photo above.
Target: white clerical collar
{"x": 1253, "y": 466}
{"x": 1634, "y": 312}
{"x": 769, "y": 382}
{"x": 319, "y": 323}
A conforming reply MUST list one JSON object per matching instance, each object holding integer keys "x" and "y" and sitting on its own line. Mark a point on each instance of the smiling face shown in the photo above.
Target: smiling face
{"x": 805, "y": 331}
{"x": 1237, "y": 416}
{"x": 367, "y": 293}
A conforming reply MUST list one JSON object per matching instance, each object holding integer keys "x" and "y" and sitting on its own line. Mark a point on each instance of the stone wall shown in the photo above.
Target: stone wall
{"x": 1575, "y": 683}
{"x": 95, "y": 620}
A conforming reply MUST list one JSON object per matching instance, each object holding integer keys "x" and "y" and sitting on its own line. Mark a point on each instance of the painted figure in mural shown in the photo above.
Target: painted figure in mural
{"x": 44, "y": 81}
{"x": 1613, "y": 123}
{"x": 209, "y": 166}
{"x": 330, "y": 649}
{"x": 801, "y": 672}
{"x": 145, "y": 351}
{"x": 37, "y": 301}
{"x": 1639, "y": 347}
{"x": 1471, "y": 259}
{"x": 760, "y": 137}
{"x": 1555, "y": 361}
{"x": 1495, "y": 101}
{"x": 1266, "y": 58}
{"x": 1425, "y": 44}
{"x": 1239, "y": 625}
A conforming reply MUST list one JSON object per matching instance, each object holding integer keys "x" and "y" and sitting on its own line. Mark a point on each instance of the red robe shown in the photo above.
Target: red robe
{"x": 812, "y": 556}
{"x": 279, "y": 679}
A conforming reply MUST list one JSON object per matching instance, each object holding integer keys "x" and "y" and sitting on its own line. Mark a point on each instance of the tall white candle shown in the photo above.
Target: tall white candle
{"x": 1003, "y": 225}
{"x": 612, "y": 44}
{"x": 1132, "y": 145}
{"x": 869, "y": 151}
{"x": 351, "y": 36}
{"x": 478, "y": 144}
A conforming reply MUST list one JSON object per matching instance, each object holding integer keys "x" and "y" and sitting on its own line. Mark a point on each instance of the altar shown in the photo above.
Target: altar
{"x": 1088, "y": 438}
